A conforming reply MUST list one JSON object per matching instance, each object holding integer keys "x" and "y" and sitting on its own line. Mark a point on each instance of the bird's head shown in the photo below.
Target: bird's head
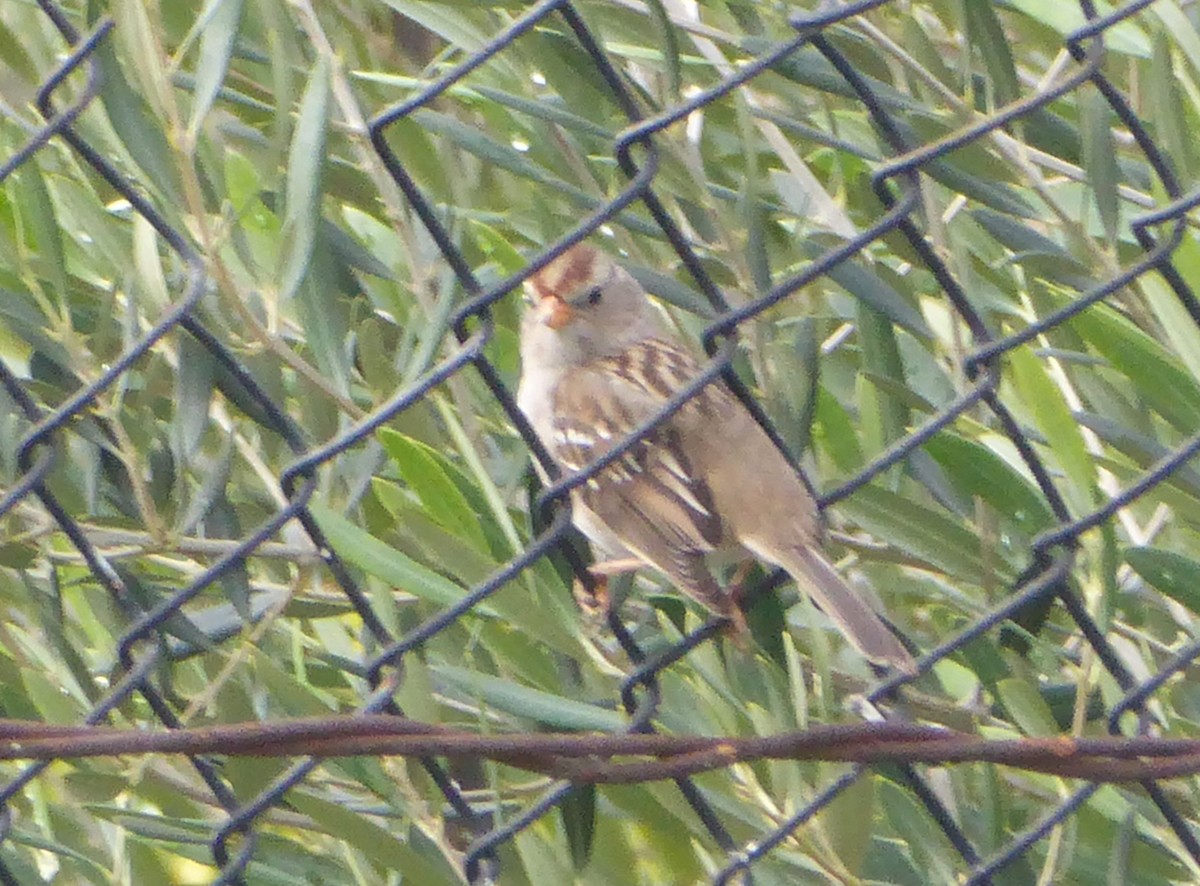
{"x": 582, "y": 306}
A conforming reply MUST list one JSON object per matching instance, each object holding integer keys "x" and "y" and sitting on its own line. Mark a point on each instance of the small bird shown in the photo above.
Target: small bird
{"x": 595, "y": 364}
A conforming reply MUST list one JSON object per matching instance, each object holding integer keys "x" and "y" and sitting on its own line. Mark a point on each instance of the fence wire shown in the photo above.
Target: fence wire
{"x": 146, "y": 646}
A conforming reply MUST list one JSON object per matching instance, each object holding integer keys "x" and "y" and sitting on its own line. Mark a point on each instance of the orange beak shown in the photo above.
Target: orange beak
{"x": 556, "y": 313}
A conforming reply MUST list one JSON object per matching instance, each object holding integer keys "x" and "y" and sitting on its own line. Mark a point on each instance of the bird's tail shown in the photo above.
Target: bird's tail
{"x": 857, "y": 621}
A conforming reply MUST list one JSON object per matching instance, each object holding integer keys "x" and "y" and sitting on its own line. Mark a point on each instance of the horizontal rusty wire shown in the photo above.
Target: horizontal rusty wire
{"x": 898, "y": 183}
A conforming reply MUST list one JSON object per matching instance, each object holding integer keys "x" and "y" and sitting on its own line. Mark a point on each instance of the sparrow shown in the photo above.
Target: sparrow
{"x": 596, "y": 363}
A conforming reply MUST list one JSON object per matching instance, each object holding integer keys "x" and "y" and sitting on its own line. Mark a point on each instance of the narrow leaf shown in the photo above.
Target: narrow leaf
{"x": 1175, "y": 575}
{"x": 872, "y": 290}
{"x": 978, "y": 471}
{"x": 424, "y": 471}
{"x": 216, "y": 48}
{"x": 193, "y": 393}
{"x": 1046, "y": 404}
{"x": 918, "y": 532}
{"x": 1124, "y": 36}
{"x": 1026, "y": 706}
{"x": 306, "y": 158}
{"x": 987, "y": 36}
{"x": 1160, "y": 381}
{"x": 381, "y": 560}
{"x": 544, "y": 708}
{"x": 1100, "y": 161}
{"x": 578, "y": 813}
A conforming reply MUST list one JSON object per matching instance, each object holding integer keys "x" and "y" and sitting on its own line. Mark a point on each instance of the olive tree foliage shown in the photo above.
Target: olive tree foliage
{"x": 244, "y": 126}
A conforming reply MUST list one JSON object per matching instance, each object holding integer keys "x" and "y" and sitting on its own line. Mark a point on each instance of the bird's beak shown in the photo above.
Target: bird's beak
{"x": 555, "y": 312}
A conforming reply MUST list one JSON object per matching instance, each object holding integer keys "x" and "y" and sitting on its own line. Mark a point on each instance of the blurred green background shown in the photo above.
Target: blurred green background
{"x": 244, "y": 125}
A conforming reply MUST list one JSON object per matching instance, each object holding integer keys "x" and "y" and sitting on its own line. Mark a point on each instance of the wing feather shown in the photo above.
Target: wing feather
{"x": 652, "y": 494}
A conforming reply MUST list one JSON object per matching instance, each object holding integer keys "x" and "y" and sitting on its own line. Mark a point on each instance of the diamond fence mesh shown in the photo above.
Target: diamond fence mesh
{"x": 210, "y": 516}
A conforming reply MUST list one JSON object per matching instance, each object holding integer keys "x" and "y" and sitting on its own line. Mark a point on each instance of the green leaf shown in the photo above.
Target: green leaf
{"x": 1181, "y": 30}
{"x": 1141, "y": 449}
{"x": 1045, "y": 403}
{"x": 1100, "y": 160}
{"x": 883, "y": 417}
{"x": 14, "y": 54}
{"x": 1016, "y": 235}
{"x": 1156, "y": 375}
{"x": 1175, "y": 575}
{"x": 193, "y": 393}
{"x": 987, "y": 36}
{"x": 291, "y": 693}
{"x": 1177, "y": 324}
{"x": 135, "y": 125}
{"x": 1119, "y": 868}
{"x": 931, "y": 852}
{"x": 447, "y": 23}
{"x": 549, "y": 109}
{"x": 149, "y": 594}
{"x": 488, "y": 148}
{"x": 670, "y": 290}
{"x": 834, "y": 430}
{"x": 377, "y": 844}
{"x": 792, "y": 382}
{"x": 1038, "y": 257}
{"x": 871, "y": 289}
{"x": 1124, "y": 37}
{"x": 218, "y": 34}
{"x": 970, "y": 170}
{"x": 497, "y": 248}
{"x": 1026, "y": 706}
{"x": 325, "y": 316}
{"x": 578, "y": 814}
{"x": 978, "y": 471}
{"x": 809, "y": 68}
{"x": 544, "y": 708}
{"x": 572, "y": 73}
{"x": 920, "y": 532}
{"x": 670, "y": 47}
{"x": 53, "y": 705}
{"x": 221, "y": 521}
{"x": 899, "y": 391}
{"x": 359, "y": 547}
{"x": 306, "y": 157}
{"x": 1164, "y": 103}
{"x": 849, "y": 822}
{"x": 454, "y": 554}
{"x": 62, "y": 852}
{"x": 32, "y": 201}
{"x": 349, "y": 252}
{"x": 423, "y": 470}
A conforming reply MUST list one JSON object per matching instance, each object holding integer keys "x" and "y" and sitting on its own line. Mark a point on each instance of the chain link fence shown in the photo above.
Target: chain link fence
{"x": 158, "y": 627}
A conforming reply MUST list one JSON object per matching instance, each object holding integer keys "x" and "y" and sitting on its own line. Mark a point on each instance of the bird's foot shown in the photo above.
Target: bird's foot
{"x": 738, "y": 631}
{"x": 736, "y": 588}
{"x": 593, "y": 602}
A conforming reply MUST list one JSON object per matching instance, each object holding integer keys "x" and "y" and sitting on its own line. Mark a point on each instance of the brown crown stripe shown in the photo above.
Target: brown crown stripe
{"x": 567, "y": 273}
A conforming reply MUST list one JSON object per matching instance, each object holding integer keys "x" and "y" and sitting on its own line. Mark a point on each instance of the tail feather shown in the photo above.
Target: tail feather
{"x": 857, "y": 621}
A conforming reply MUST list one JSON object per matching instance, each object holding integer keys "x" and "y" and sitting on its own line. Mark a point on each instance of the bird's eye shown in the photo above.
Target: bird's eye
{"x": 593, "y": 297}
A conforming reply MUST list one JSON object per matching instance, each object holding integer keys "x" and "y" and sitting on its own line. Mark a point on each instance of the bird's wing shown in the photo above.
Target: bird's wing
{"x": 651, "y": 497}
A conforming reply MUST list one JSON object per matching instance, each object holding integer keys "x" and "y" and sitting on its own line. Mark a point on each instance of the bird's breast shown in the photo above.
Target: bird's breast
{"x": 535, "y": 398}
